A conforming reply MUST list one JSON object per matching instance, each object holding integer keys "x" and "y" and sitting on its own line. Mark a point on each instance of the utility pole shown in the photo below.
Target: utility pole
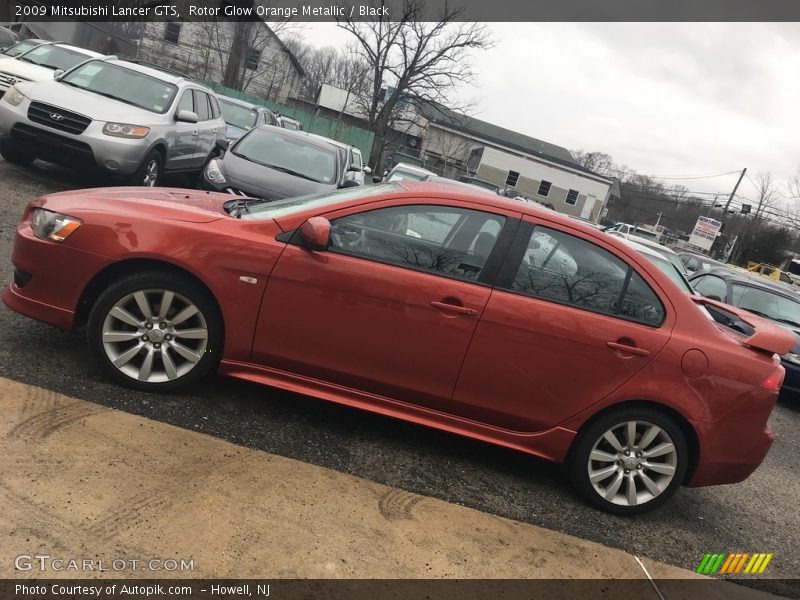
{"x": 733, "y": 193}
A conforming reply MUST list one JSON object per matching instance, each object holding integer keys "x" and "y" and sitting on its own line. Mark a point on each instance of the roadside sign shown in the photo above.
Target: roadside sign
{"x": 705, "y": 232}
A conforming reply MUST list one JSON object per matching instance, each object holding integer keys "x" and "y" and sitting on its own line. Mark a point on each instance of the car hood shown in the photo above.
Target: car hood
{"x": 263, "y": 182}
{"x": 172, "y": 204}
{"x": 25, "y": 70}
{"x": 84, "y": 102}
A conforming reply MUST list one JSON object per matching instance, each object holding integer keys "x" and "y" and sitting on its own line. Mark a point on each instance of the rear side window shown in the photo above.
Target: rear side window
{"x": 566, "y": 269}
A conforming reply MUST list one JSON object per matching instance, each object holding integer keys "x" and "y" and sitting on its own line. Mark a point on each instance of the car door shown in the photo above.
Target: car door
{"x": 207, "y": 128}
{"x": 567, "y": 323}
{"x": 184, "y": 136}
{"x": 391, "y": 306}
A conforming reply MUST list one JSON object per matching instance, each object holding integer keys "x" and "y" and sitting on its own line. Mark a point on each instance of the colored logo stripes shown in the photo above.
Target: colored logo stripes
{"x": 726, "y": 563}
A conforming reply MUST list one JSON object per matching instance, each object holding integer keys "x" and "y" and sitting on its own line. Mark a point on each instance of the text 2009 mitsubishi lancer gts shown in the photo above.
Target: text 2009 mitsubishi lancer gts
{"x": 422, "y": 301}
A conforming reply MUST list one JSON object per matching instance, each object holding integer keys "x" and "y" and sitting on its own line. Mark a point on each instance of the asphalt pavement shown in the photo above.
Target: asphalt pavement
{"x": 758, "y": 515}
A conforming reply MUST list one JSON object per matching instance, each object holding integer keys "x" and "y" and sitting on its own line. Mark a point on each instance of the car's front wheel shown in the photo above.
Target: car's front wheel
{"x": 630, "y": 460}
{"x": 155, "y": 331}
{"x": 149, "y": 172}
{"x": 16, "y": 154}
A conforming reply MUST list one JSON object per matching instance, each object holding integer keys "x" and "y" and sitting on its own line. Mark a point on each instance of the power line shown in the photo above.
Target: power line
{"x": 693, "y": 176}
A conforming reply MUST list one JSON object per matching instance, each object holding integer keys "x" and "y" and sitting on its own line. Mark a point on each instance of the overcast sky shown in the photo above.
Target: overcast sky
{"x": 667, "y": 99}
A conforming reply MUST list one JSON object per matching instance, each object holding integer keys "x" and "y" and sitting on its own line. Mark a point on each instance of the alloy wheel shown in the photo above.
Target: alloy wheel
{"x": 151, "y": 173}
{"x": 154, "y": 335}
{"x": 632, "y": 463}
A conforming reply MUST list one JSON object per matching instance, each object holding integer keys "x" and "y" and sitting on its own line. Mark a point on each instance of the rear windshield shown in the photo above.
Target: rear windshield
{"x": 54, "y": 57}
{"x": 125, "y": 85}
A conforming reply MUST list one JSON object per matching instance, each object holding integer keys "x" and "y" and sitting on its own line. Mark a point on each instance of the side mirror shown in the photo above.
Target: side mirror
{"x": 223, "y": 144}
{"x": 367, "y": 170}
{"x": 349, "y": 183}
{"x": 377, "y": 179}
{"x": 353, "y": 169}
{"x": 58, "y": 73}
{"x": 186, "y": 116}
{"x": 315, "y": 233}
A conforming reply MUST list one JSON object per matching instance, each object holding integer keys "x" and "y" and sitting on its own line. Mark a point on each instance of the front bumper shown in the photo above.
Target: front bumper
{"x": 92, "y": 148}
{"x": 49, "y": 278}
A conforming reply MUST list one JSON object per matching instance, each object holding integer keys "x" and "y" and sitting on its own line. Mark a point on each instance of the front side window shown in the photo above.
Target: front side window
{"x": 186, "y": 102}
{"x": 449, "y": 241}
{"x": 124, "y": 85}
{"x": 288, "y": 153}
{"x": 566, "y": 269}
{"x": 711, "y": 285}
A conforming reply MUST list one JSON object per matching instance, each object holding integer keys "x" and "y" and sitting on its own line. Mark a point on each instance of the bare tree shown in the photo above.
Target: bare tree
{"x": 412, "y": 60}
{"x": 766, "y": 191}
{"x": 599, "y": 162}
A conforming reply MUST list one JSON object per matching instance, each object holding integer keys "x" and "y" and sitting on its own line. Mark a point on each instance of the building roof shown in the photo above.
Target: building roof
{"x": 440, "y": 115}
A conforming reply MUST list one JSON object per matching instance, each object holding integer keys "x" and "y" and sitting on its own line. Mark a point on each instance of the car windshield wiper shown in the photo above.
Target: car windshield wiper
{"x": 290, "y": 172}
{"x": 759, "y": 313}
{"x": 27, "y": 60}
{"x": 242, "y": 205}
{"x": 112, "y": 96}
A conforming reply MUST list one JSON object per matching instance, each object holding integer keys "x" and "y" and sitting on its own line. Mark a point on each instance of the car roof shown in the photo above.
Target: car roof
{"x": 644, "y": 249}
{"x": 315, "y": 140}
{"x": 91, "y": 53}
{"x": 412, "y": 169}
{"x": 331, "y": 140}
{"x": 238, "y": 102}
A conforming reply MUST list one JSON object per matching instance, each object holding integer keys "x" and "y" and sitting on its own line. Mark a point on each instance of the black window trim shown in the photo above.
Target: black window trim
{"x": 517, "y": 251}
{"x": 491, "y": 268}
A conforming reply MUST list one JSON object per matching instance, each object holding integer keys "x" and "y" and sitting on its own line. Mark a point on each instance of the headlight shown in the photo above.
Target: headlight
{"x": 49, "y": 225}
{"x": 125, "y": 130}
{"x": 13, "y": 96}
{"x": 792, "y": 358}
{"x": 214, "y": 173}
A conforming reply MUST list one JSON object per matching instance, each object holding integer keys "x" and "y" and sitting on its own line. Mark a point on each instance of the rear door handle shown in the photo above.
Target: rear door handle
{"x": 628, "y": 349}
{"x": 462, "y": 310}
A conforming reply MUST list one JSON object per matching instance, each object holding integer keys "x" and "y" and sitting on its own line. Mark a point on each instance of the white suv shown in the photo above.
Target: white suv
{"x": 41, "y": 62}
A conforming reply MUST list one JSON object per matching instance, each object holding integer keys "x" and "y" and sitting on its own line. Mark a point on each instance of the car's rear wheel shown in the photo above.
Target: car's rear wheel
{"x": 14, "y": 153}
{"x": 630, "y": 460}
{"x": 149, "y": 172}
{"x": 155, "y": 331}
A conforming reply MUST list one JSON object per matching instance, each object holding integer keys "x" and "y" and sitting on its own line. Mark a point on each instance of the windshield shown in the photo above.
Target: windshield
{"x": 54, "y": 57}
{"x": 671, "y": 271}
{"x": 123, "y": 84}
{"x": 288, "y": 153}
{"x": 767, "y": 304}
{"x": 21, "y": 47}
{"x": 238, "y": 115}
{"x": 289, "y": 206}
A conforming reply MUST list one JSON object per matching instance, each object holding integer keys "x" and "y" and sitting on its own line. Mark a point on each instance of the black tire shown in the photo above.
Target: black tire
{"x": 579, "y": 466}
{"x": 150, "y": 171}
{"x": 14, "y": 153}
{"x": 152, "y": 283}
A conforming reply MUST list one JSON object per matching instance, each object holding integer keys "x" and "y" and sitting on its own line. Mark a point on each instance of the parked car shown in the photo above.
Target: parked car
{"x": 663, "y": 262}
{"x": 762, "y": 297}
{"x": 669, "y": 254}
{"x": 124, "y": 119}
{"x": 625, "y": 230}
{"x": 7, "y": 38}
{"x": 403, "y": 171}
{"x": 242, "y": 116}
{"x": 41, "y": 62}
{"x": 427, "y": 302}
{"x": 289, "y": 123}
{"x": 272, "y": 163}
{"x": 770, "y": 272}
{"x": 699, "y": 262}
{"x": 357, "y": 170}
{"x": 480, "y": 183}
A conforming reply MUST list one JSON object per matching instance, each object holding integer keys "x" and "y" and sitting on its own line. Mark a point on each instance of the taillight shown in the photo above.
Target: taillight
{"x": 774, "y": 382}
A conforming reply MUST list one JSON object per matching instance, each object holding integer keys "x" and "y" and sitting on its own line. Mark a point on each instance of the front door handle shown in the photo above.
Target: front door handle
{"x": 195, "y": 133}
{"x": 462, "y": 310}
{"x": 627, "y": 349}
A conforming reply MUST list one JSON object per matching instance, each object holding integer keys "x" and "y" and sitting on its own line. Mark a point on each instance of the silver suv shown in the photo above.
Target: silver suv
{"x": 124, "y": 118}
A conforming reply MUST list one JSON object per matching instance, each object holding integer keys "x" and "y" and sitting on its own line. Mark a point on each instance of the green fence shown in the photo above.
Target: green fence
{"x": 337, "y": 130}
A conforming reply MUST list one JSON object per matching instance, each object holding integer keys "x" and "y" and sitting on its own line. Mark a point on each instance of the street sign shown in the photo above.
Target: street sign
{"x": 705, "y": 232}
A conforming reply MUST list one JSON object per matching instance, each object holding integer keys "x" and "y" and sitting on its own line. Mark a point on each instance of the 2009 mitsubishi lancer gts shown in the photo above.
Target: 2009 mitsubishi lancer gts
{"x": 427, "y": 302}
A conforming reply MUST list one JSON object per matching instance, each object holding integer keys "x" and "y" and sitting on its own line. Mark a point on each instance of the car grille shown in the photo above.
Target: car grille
{"x": 52, "y": 146}
{"x": 8, "y": 79}
{"x": 57, "y": 118}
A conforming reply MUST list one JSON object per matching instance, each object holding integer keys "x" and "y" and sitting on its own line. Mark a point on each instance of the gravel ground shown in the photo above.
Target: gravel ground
{"x": 759, "y": 515}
